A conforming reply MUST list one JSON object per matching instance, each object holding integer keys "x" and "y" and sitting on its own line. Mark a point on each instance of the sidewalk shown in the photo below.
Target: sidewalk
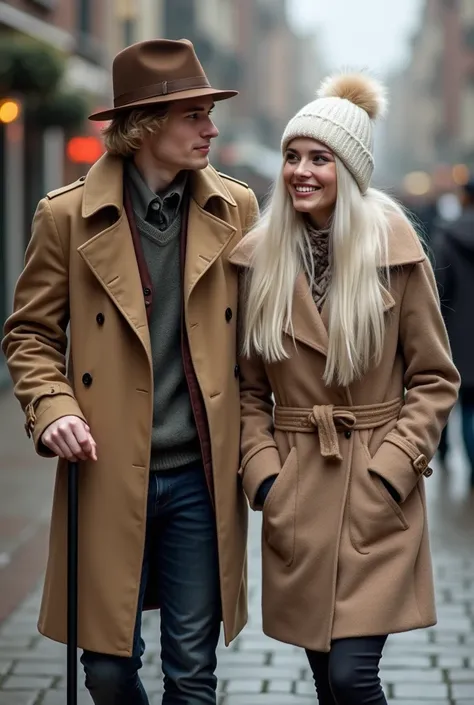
{"x": 429, "y": 667}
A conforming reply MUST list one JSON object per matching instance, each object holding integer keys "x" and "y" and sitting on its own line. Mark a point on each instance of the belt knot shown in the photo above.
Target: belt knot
{"x": 324, "y": 418}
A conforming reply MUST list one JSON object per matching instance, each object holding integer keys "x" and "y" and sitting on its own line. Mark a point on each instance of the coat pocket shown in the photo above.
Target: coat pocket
{"x": 279, "y": 510}
{"x": 374, "y": 514}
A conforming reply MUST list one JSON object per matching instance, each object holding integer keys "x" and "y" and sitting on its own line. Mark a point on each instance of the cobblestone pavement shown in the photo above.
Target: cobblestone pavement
{"x": 433, "y": 666}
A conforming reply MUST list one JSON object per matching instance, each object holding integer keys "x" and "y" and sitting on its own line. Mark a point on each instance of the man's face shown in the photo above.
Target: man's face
{"x": 184, "y": 140}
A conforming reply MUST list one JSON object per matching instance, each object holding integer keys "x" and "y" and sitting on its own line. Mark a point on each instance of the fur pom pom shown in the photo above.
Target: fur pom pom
{"x": 364, "y": 91}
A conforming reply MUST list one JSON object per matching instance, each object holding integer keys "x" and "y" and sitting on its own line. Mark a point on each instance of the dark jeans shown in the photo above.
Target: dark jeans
{"x": 349, "y": 673}
{"x": 182, "y": 523}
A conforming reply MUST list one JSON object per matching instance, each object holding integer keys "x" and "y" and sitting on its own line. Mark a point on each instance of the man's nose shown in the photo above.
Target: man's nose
{"x": 211, "y": 130}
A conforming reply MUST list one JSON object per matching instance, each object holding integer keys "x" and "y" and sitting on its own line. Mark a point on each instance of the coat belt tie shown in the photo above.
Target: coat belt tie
{"x": 328, "y": 420}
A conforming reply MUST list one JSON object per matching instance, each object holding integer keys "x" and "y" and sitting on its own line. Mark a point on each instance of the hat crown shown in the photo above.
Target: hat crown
{"x": 152, "y": 62}
{"x": 343, "y": 113}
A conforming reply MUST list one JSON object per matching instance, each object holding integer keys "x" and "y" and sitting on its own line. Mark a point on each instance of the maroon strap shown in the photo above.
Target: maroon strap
{"x": 145, "y": 278}
{"x": 163, "y": 88}
{"x": 197, "y": 402}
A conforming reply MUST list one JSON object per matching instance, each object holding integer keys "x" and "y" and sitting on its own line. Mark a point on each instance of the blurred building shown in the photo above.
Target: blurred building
{"x": 430, "y": 130}
{"x": 41, "y": 42}
{"x": 45, "y": 138}
{"x": 130, "y": 21}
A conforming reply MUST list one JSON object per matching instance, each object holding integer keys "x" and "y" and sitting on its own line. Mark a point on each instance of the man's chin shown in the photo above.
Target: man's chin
{"x": 199, "y": 162}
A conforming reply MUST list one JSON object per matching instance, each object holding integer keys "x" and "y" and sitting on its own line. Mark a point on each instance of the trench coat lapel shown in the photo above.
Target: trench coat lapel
{"x": 207, "y": 233}
{"x": 309, "y": 325}
{"x": 110, "y": 254}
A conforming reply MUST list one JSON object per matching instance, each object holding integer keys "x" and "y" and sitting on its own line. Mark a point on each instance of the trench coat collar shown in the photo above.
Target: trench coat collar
{"x": 311, "y": 326}
{"x": 103, "y": 187}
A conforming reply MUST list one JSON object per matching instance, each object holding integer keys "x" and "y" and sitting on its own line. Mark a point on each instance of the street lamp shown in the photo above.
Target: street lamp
{"x": 9, "y": 110}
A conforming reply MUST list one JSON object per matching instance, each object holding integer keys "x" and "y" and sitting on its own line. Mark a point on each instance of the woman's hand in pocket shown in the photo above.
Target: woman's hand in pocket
{"x": 263, "y": 491}
{"x": 390, "y": 489}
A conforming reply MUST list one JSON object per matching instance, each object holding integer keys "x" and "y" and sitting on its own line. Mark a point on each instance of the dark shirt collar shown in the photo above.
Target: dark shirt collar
{"x": 169, "y": 200}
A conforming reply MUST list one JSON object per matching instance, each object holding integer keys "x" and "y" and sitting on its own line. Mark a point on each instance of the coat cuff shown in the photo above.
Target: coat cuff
{"x": 400, "y": 464}
{"x": 47, "y": 410}
{"x": 259, "y": 464}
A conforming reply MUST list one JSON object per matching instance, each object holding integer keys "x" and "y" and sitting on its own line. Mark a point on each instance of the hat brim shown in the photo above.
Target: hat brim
{"x": 168, "y": 98}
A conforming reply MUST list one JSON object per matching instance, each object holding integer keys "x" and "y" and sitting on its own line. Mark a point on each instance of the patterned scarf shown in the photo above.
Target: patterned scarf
{"x": 319, "y": 244}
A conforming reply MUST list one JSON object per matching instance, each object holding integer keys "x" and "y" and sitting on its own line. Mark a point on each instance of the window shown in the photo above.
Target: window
{"x": 84, "y": 16}
{"x": 180, "y": 19}
{"x": 88, "y": 45}
{"x": 469, "y": 37}
{"x": 128, "y": 32}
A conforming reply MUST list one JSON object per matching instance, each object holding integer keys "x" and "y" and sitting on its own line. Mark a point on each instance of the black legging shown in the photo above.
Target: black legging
{"x": 349, "y": 673}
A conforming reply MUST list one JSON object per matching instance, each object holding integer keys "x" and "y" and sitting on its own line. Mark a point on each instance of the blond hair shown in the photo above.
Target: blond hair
{"x": 360, "y": 229}
{"x": 124, "y": 134}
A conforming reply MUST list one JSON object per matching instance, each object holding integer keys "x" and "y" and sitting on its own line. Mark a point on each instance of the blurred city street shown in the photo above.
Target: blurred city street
{"x": 434, "y": 666}
{"x": 55, "y": 70}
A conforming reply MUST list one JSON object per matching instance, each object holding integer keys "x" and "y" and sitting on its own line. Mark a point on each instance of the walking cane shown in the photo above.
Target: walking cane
{"x": 72, "y": 542}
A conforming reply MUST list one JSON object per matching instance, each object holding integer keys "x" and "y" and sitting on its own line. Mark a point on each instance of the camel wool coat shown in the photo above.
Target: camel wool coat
{"x": 80, "y": 263}
{"x": 341, "y": 558}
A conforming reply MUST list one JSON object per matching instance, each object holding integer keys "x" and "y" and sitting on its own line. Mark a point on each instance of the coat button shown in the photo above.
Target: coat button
{"x": 347, "y": 434}
{"x": 86, "y": 379}
{"x": 236, "y": 371}
{"x": 146, "y": 291}
{"x": 228, "y": 314}
{"x": 428, "y": 472}
{"x": 100, "y": 319}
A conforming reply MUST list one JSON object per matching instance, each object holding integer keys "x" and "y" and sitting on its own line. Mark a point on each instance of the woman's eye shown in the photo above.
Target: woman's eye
{"x": 320, "y": 160}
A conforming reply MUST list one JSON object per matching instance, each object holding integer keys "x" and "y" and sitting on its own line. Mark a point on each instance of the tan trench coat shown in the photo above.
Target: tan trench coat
{"x": 340, "y": 557}
{"x": 81, "y": 261}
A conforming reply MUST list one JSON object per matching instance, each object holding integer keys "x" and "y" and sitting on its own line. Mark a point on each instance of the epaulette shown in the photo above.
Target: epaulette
{"x": 231, "y": 178}
{"x": 65, "y": 189}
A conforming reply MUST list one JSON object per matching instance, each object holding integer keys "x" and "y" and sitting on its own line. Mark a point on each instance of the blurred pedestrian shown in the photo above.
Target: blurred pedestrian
{"x": 134, "y": 258}
{"x": 453, "y": 249}
{"x": 342, "y": 326}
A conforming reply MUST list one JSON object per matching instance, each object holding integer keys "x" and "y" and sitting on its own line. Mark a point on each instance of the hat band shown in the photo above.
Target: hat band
{"x": 163, "y": 88}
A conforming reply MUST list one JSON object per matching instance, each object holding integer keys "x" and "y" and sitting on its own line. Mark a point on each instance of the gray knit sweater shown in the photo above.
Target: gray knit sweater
{"x": 175, "y": 441}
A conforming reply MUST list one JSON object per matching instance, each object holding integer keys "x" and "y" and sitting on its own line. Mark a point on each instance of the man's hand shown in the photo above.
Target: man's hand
{"x": 69, "y": 437}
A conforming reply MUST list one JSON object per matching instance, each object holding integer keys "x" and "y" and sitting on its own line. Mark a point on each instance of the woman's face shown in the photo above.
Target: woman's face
{"x": 309, "y": 172}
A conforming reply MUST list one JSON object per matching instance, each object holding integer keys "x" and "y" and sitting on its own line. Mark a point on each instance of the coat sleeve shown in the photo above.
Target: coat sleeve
{"x": 252, "y": 211}
{"x": 431, "y": 382}
{"x": 35, "y": 339}
{"x": 260, "y": 456}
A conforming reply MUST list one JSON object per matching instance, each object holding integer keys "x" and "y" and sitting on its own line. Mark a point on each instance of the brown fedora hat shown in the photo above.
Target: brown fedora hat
{"x": 157, "y": 71}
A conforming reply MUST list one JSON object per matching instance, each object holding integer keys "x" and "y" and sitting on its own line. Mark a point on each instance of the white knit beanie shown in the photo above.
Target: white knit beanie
{"x": 342, "y": 119}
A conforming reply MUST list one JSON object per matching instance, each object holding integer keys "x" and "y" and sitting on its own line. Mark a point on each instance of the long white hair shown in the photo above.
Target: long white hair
{"x": 359, "y": 234}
